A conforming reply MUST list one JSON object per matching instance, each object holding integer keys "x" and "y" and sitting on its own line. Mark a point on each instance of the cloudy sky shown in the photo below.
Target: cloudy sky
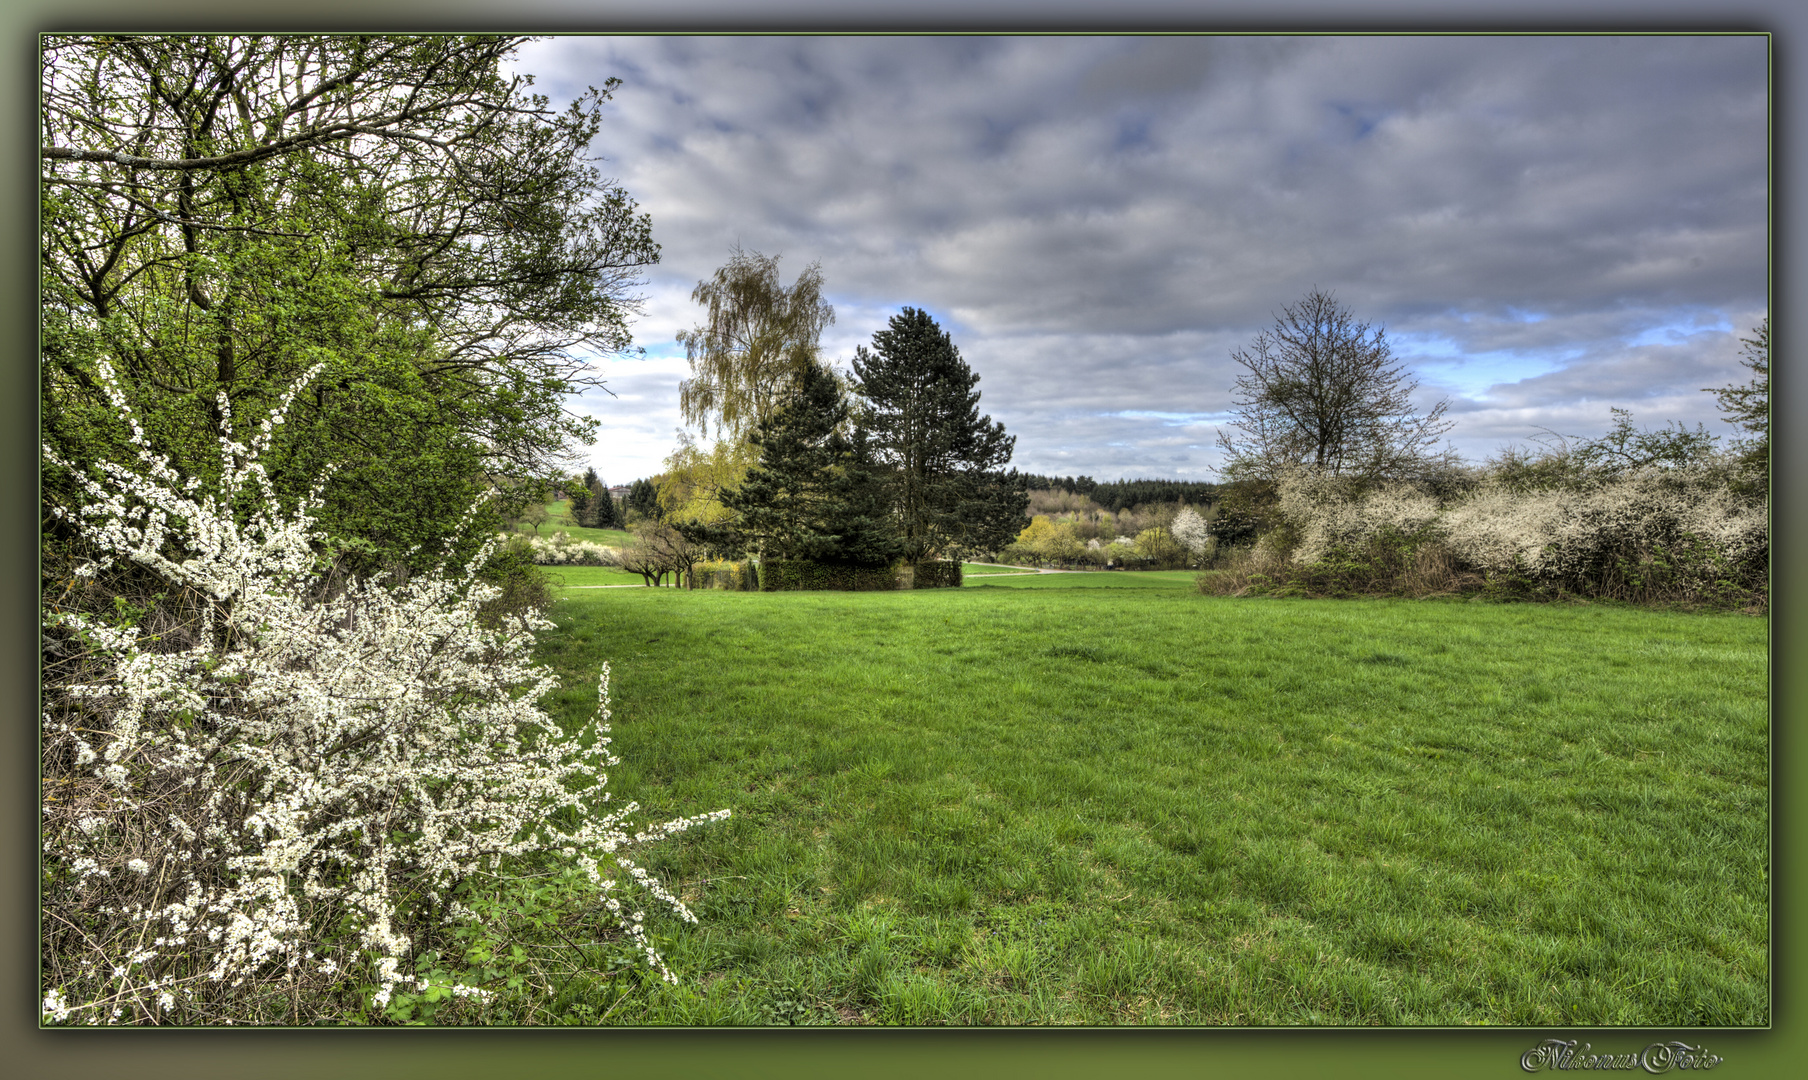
{"x": 1547, "y": 227}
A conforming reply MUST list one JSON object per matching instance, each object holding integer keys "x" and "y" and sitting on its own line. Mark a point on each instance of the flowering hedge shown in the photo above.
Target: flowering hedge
{"x": 1684, "y": 532}
{"x": 267, "y": 801}
{"x": 560, "y": 549}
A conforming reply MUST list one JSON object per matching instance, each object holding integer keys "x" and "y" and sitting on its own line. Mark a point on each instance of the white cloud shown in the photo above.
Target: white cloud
{"x": 1099, "y": 221}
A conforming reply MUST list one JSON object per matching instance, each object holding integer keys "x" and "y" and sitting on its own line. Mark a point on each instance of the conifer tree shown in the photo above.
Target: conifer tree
{"x": 943, "y": 461}
{"x": 813, "y": 494}
{"x": 643, "y": 498}
{"x": 602, "y": 512}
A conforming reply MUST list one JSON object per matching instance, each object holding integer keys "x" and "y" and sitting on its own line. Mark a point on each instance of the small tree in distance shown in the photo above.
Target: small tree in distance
{"x": 1320, "y": 390}
{"x": 601, "y": 512}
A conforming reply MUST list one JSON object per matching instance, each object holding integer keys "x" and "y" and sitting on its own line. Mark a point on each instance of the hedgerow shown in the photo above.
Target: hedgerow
{"x": 1696, "y": 532}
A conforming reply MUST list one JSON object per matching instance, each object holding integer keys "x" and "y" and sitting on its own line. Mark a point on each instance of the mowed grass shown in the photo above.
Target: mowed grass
{"x": 1060, "y": 805}
{"x": 1101, "y": 579}
{"x": 582, "y": 576}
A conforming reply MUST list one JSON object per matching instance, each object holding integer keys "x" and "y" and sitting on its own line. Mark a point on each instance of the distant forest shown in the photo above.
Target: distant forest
{"x": 1118, "y": 495}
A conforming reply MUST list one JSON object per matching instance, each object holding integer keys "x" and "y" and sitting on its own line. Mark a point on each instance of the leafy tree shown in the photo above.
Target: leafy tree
{"x": 813, "y": 494}
{"x": 943, "y": 460}
{"x": 223, "y": 213}
{"x": 1245, "y": 511}
{"x": 659, "y": 549}
{"x": 1159, "y": 547}
{"x": 1050, "y": 540}
{"x": 1748, "y": 406}
{"x": 758, "y": 338}
{"x": 690, "y": 490}
{"x": 1320, "y": 389}
{"x": 1193, "y": 532}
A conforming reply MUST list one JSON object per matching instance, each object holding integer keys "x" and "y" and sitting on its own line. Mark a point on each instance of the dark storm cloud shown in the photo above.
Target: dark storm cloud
{"x": 1547, "y": 226}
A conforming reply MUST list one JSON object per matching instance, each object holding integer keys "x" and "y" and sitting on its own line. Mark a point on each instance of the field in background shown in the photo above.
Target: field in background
{"x": 580, "y": 576}
{"x": 560, "y": 514}
{"x": 1048, "y": 804}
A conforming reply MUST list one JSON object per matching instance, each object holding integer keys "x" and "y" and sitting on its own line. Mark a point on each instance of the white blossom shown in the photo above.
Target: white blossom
{"x": 320, "y": 757}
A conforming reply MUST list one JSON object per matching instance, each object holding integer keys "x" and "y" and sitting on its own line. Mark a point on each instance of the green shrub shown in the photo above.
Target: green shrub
{"x": 524, "y": 585}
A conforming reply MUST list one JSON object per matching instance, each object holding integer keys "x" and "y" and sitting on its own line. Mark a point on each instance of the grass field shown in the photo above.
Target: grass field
{"x": 991, "y": 569}
{"x": 1102, "y": 579}
{"x": 1043, "y": 804}
{"x": 580, "y": 576}
{"x": 560, "y": 512}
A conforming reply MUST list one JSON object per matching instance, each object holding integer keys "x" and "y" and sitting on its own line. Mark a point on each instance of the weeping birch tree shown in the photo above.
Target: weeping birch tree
{"x": 757, "y": 338}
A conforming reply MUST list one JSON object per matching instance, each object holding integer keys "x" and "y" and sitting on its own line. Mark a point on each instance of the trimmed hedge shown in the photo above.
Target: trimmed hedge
{"x": 790, "y": 575}
{"x": 937, "y": 574}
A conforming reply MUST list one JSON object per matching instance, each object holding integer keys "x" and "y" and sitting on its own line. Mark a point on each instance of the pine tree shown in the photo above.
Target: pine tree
{"x": 643, "y": 498}
{"x": 602, "y": 514}
{"x": 813, "y": 494}
{"x": 943, "y": 460}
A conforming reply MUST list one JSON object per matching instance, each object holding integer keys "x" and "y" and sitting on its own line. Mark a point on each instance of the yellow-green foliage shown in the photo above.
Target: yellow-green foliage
{"x": 1050, "y": 540}
{"x": 694, "y": 480}
{"x": 734, "y": 576}
{"x": 1159, "y": 547}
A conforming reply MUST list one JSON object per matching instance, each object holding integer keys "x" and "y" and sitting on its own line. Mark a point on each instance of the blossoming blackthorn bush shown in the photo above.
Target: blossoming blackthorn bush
{"x": 1696, "y": 531}
{"x": 561, "y": 550}
{"x": 255, "y": 810}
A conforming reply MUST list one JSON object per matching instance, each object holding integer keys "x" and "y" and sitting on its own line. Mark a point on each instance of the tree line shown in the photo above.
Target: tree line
{"x": 1115, "y": 495}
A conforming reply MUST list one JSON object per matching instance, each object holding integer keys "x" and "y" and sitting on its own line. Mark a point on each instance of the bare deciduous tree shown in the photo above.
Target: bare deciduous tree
{"x": 658, "y": 550}
{"x": 1321, "y": 390}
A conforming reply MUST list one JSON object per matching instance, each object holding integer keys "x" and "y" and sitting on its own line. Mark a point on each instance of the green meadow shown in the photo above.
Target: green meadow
{"x": 1034, "y": 800}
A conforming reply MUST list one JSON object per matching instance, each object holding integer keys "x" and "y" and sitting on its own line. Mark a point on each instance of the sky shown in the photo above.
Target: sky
{"x": 1547, "y": 228}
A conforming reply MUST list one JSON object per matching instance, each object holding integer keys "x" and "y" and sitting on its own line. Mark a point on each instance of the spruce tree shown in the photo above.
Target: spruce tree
{"x": 813, "y": 494}
{"x": 943, "y": 461}
{"x": 643, "y": 498}
{"x": 602, "y": 506}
